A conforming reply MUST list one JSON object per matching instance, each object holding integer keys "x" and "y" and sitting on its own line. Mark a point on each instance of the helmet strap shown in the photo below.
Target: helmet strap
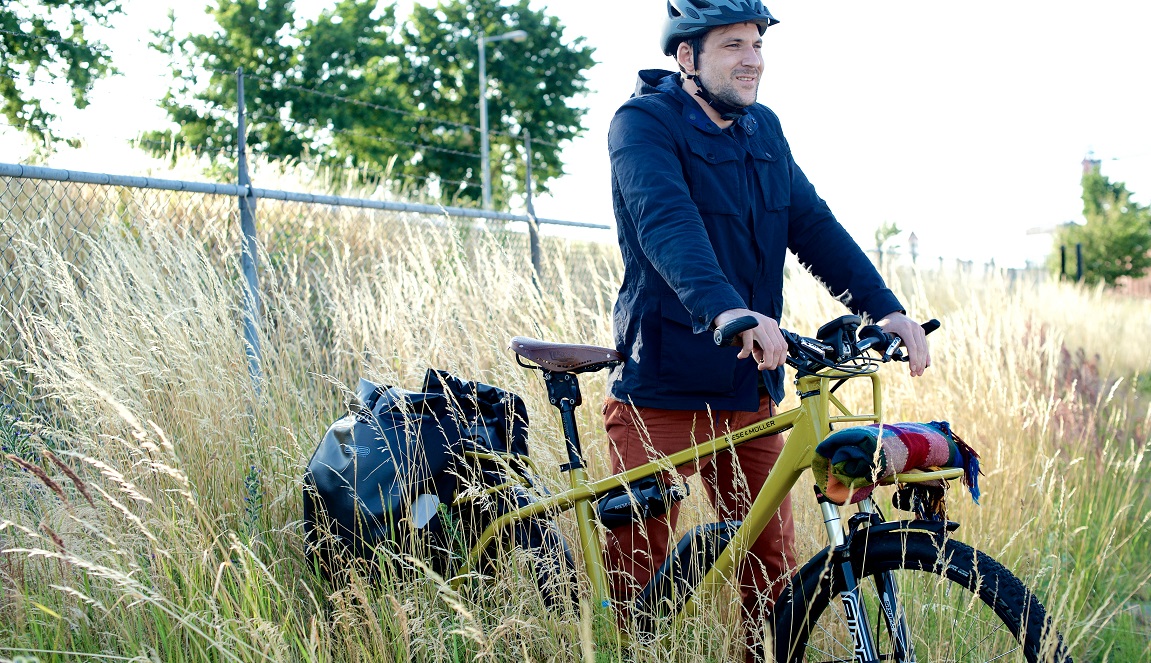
{"x": 727, "y": 112}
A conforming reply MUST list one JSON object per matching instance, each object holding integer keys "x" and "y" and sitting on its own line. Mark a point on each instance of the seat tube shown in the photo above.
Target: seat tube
{"x": 564, "y": 394}
{"x": 585, "y": 516}
{"x": 592, "y": 549}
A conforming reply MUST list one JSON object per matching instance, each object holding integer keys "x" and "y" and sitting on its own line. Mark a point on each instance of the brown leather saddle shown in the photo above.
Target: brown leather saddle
{"x": 564, "y": 357}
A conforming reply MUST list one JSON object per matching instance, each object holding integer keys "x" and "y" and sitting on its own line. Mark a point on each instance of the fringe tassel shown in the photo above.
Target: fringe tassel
{"x": 970, "y": 458}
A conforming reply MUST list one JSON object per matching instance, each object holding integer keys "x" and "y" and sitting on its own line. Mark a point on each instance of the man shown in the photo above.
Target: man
{"x": 707, "y": 201}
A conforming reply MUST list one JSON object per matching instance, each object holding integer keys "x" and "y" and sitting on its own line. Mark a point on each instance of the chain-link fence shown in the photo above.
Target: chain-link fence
{"x": 71, "y": 209}
{"x": 65, "y": 217}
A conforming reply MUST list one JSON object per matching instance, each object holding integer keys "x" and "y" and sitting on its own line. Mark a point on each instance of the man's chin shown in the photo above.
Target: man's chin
{"x": 738, "y": 102}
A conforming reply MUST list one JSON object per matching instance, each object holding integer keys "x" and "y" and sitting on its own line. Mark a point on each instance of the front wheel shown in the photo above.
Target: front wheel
{"x": 958, "y": 604}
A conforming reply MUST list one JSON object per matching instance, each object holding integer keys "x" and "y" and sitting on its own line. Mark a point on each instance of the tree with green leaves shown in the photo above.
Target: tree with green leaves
{"x": 358, "y": 88}
{"x": 45, "y": 40}
{"x": 1116, "y": 237}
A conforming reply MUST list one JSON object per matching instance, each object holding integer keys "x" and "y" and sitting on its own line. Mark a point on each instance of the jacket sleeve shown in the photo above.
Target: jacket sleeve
{"x": 668, "y": 226}
{"x": 825, "y": 247}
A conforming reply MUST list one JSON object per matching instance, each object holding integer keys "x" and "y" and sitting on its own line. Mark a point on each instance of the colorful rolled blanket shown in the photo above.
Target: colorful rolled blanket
{"x": 847, "y": 464}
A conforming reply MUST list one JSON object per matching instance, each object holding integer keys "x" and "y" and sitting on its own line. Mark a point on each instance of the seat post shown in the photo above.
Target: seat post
{"x": 564, "y": 394}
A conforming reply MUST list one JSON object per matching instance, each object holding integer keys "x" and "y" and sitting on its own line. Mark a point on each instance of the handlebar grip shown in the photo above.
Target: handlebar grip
{"x": 931, "y": 325}
{"x": 873, "y": 335}
{"x": 877, "y": 333}
{"x": 726, "y": 333}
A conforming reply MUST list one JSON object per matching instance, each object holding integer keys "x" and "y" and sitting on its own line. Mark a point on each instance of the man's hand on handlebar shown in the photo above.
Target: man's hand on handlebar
{"x": 764, "y": 342}
{"x": 914, "y": 340}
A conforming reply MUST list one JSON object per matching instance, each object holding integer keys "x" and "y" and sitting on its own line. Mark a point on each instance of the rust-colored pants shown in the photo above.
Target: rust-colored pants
{"x": 732, "y": 481}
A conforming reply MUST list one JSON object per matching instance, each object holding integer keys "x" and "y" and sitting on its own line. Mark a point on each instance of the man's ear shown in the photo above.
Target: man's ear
{"x": 685, "y": 56}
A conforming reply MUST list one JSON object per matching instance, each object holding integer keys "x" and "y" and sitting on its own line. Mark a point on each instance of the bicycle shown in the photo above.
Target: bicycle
{"x": 983, "y": 611}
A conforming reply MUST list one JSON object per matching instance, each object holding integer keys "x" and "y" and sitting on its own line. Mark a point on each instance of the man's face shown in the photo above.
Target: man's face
{"x": 731, "y": 64}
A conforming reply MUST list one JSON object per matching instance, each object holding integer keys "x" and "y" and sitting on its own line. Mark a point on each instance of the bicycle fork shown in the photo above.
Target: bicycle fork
{"x": 863, "y": 640}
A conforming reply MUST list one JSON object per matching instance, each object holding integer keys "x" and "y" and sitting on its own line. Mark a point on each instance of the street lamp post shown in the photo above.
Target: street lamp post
{"x": 485, "y": 157}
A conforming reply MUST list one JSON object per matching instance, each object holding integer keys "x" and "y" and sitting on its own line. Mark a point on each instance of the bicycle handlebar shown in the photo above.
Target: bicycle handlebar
{"x": 804, "y": 352}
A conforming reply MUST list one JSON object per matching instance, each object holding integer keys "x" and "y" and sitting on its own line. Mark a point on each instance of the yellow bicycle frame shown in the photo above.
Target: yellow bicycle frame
{"x": 809, "y": 423}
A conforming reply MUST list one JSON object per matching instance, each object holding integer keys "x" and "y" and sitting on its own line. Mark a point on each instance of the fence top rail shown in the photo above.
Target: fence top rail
{"x": 40, "y": 173}
{"x": 415, "y": 208}
{"x": 82, "y": 177}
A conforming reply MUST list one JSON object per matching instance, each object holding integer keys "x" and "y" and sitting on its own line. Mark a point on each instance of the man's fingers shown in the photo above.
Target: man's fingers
{"x": 774, "y": 349}
{"x": 746, "y": 343}
{"x": 917, "y": 353}
{"x": 914, "y": 341}
{"x": 763, "y": 343}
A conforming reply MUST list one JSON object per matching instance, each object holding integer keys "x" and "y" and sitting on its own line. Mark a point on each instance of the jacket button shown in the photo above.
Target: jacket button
{"x": 692, "y": 116}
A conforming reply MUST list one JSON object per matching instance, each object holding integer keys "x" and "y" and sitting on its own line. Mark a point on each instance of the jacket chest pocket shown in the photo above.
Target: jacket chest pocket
{"x": 715, "y": 177}
{"x": 771, "y": 167}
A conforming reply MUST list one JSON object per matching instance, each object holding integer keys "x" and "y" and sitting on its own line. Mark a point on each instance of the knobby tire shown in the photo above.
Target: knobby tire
{"x": 961, "y": 604}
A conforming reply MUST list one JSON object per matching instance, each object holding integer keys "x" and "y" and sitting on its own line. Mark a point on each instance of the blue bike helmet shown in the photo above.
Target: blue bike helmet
{"x": 687, "y": 19}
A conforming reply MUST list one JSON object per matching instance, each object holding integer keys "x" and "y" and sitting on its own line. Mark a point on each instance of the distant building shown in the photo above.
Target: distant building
{"x": 1091, "y": 165}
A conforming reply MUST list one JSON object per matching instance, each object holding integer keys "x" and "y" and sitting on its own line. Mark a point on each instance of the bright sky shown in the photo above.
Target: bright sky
{"x": 963, "y": 122}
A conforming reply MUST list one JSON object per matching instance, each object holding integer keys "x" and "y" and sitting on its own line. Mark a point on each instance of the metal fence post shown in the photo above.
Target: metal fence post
{"x": 1079, "y": 263}
{"x": 248, "y": 228}
{"x": 533, "y": 225}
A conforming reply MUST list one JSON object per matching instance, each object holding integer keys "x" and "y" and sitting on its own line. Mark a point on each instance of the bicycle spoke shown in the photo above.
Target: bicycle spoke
{"x": 833, "y": 638}
{"x": 944, "y": 623}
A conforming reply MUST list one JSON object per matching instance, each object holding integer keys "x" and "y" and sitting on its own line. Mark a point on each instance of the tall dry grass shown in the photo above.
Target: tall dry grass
{"x": 150, "y": 502}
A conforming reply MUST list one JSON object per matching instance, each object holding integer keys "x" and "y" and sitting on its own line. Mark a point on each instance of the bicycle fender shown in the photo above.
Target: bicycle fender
{"x": 829, "y": 557}
{"x": 936, "y": 526}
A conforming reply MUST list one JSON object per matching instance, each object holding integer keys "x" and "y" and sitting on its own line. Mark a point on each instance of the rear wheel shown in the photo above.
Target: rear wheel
{"x": 551, "y": 560}
{"x": 958, "y": 604}
{"x": 543, "y": 546}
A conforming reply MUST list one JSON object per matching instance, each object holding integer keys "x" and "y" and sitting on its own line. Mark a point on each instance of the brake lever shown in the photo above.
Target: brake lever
{"x": 873, "y": 334}
{"x": 892, "y": 348}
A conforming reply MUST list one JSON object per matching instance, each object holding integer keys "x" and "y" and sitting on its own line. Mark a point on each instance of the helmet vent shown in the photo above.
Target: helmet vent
{"x": 691, "y": 12}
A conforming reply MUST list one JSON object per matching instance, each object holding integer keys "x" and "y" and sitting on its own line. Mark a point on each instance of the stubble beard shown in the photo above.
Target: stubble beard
{"x": 723, "y": 89}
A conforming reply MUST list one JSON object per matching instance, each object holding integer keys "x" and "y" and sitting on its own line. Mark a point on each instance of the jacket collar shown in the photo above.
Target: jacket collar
{"x": 693, "y": 114}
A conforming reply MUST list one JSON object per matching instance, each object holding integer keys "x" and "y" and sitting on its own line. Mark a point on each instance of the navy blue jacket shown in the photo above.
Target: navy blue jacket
{"x": 705, "y": 217}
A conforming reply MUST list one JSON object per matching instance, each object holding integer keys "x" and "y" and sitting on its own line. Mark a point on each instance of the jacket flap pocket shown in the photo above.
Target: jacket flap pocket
{"x": 673, "y": 309}
{"x": 712, "y": 152}
{"x": 716, "y": 177}
{"x": 773, "y": 173}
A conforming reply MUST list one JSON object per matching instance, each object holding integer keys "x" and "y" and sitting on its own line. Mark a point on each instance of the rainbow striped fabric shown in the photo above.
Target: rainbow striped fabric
{"x": 849, "y": 462}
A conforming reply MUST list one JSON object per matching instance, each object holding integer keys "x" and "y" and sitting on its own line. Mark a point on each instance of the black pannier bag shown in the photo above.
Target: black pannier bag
{"x": 386, "y": 473}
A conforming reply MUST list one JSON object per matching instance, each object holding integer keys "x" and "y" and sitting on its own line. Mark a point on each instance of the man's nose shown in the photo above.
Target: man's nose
{"x": 752, "y": 58}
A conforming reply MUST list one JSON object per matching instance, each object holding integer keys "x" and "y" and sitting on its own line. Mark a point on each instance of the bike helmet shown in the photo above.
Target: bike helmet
{"x": 687, "y": 19}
